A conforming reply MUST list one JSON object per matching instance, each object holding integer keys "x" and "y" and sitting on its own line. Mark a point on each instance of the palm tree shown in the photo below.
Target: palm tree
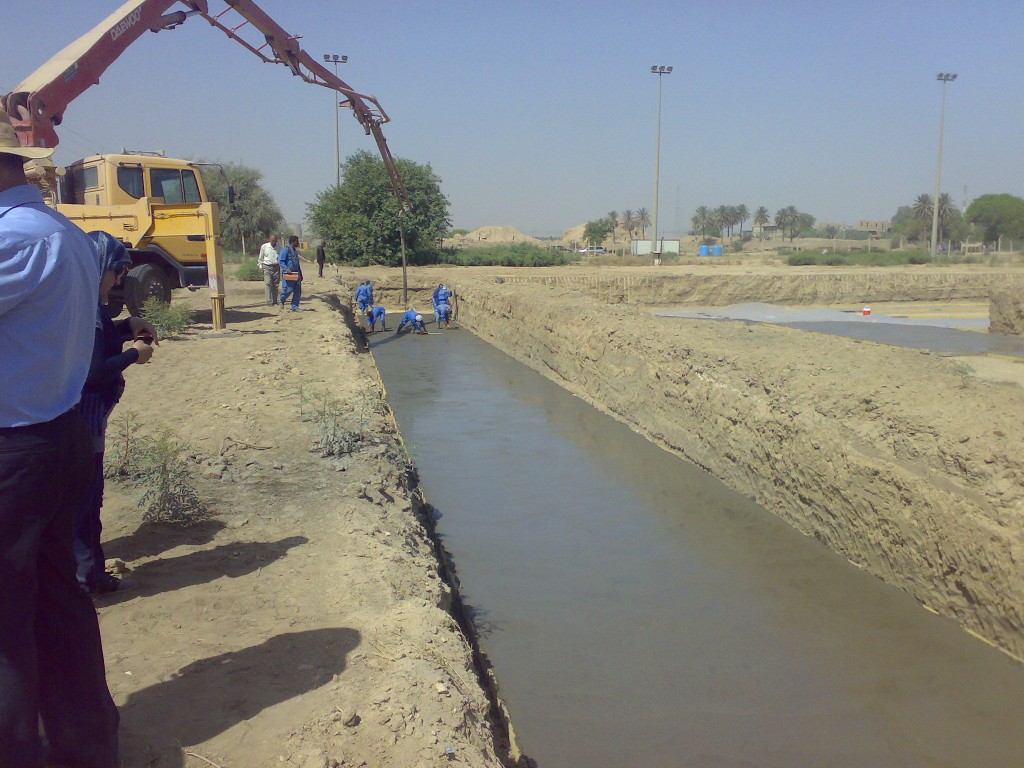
{"x": 793, "y": 217}
{"x": 742, "y": 214}
{"x": 629, "y": 222}
{"x": 923, "y": 207}
{"x": 781, "y": 220}
{"x": 643, "y": 219}
{"x": 760, "y": 219}
{"x": 702, "y": 220}
{"x": 613, "y": 219}
{"x": 946, "y": 209}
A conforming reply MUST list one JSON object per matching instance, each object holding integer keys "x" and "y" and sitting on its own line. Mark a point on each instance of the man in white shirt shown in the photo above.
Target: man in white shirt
{"x": 271, "y": 270}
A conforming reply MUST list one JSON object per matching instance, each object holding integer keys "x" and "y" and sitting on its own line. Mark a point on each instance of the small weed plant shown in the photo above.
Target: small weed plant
{"x": 157, "y": 462}
{"x": 340, "y": 426}
{"x": 966, "y": 373}
{"x": 170, "y": 320}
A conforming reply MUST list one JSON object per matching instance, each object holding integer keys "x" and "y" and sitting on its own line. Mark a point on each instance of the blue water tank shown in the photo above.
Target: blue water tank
{"x": 716, "y": 250}
{"x": 703, "y": 250}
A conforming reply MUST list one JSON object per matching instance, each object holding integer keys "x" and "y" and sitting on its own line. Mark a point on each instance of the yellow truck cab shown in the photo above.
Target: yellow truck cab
{"x": 157, "y": 206}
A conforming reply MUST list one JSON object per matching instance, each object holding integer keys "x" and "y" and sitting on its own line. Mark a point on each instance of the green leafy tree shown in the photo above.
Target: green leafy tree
{"x": 255, "y": 214}
{"x": 597, "y": 231}
{"x": 360, "y": 218}
{"x": 997, "y": 216}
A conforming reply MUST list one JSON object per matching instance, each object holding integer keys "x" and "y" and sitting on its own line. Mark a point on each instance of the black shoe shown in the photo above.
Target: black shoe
{"x": 110, "y": 584}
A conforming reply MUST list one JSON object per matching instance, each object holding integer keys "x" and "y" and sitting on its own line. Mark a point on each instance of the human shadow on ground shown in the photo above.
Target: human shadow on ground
{"x": 233, "y": 560}
{"x": 209, "y": 696}
{"x": 151, "y": 539}
{"x": 231, "y": 316}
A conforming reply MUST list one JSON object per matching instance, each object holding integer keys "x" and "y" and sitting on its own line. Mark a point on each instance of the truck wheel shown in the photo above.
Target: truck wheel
{"x": 145, "y": 282}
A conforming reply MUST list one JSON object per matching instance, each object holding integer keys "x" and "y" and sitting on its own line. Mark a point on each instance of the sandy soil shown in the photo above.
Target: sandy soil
{"x": 306, "y": 623}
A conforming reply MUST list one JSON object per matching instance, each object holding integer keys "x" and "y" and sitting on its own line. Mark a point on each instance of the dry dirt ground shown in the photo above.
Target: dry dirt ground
{"x": 306, "y": 622}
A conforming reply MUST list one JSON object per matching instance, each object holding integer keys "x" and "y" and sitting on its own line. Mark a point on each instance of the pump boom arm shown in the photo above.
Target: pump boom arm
{"x": 37, "y": 105}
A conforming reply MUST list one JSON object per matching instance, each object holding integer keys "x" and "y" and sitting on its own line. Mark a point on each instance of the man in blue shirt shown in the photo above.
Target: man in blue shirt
{"x": 51, "y": 658}
{"x": 413, "y": 319}
{"x": 375, "y": 313}
{"x": 289, "y": 261}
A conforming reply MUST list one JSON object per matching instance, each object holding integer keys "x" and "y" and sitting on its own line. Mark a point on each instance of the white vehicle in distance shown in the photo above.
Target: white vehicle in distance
{"x": 593, "y": 249}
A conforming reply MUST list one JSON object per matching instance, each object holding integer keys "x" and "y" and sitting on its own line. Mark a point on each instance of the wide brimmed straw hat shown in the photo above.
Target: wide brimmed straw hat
{"x": 10, "y": 145}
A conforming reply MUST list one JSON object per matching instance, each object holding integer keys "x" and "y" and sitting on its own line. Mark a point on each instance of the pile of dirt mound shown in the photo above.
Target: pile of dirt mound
{"x": 492, "y": 236}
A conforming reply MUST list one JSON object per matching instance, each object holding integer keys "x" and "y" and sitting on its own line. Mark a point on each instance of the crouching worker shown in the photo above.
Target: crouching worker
{"x": 103, "y": 389}
{"x": 373, "y": 314}
{"x": 443, "y": 314}
{"x": 413, "y": 319}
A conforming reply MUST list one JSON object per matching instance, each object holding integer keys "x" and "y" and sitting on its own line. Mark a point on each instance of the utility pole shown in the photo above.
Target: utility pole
{"x": 333, "y": 58}
{"x": 655, "y": 252}
{"x": 944, "y": 78}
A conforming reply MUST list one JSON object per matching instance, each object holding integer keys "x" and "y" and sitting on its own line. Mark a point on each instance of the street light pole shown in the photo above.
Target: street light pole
{"x": 333, "y": 58}
{"x": 655, "y": 254}
{"x": 944, "y": 78}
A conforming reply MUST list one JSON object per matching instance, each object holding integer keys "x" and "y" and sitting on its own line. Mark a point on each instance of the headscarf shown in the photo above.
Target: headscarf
{"x": 113, "y": 255}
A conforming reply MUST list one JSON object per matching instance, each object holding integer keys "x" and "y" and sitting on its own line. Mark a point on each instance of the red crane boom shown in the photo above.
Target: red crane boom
{"x": 37, "y": 105}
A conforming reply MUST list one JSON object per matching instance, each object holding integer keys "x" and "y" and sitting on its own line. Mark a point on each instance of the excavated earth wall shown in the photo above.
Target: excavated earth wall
{"x": 892, "y": 457}
{"x": 734, "y": 285}
{"x": 1006, "y": 311}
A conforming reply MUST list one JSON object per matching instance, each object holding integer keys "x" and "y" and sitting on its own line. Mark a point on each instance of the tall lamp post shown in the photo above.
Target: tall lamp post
{"x": 655, "y": 254}
{"x": 942, "y": 77}
{"x": 333, "y": 58}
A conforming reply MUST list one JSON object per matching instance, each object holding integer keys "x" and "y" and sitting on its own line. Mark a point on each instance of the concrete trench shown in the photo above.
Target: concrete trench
{"x": 932, "y": 691}
{"x": 931, "y": 505}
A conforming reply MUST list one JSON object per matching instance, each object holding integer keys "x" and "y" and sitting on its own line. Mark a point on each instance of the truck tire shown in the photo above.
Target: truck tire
{"x": 144, "y": 282}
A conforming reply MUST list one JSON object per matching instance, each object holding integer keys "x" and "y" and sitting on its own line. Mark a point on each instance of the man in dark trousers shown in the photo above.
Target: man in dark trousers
{"x": 51, "y": 658}
{"x": 321, "y": 256}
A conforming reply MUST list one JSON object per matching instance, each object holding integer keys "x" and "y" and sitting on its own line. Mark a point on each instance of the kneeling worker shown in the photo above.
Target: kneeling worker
{"x": 414, "y": 319}
{"x": 374, "y": 313}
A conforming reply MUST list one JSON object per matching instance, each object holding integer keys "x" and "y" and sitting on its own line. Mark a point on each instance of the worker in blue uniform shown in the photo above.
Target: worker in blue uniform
{"x": 373, "y": 314}
{"x": 413, "y": 319}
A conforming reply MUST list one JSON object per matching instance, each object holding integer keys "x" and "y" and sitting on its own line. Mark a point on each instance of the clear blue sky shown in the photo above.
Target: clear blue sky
{"x": 541, "y": 115}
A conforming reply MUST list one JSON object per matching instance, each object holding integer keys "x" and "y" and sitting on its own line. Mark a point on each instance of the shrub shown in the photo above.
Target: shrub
{"x": 249, "y": 271}
{"x": 513, "y": 255}
{"x": 158, "y": 463}
{"x": 168, "y": 319}
{"x": 801, "y": 260}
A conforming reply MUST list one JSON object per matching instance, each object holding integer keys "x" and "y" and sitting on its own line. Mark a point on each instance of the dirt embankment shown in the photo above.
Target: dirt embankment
{"x": 306, "y": 623}
{"x": 718, "y": 286}
{"x": 1006, "y": 311}
{"x": 894, "y": 458}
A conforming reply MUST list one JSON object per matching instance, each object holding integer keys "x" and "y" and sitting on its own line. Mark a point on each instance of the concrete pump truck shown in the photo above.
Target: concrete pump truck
{"x": 158, "y": 206}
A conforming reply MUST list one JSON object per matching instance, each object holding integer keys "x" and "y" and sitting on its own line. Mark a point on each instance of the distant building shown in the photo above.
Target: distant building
{"x": 875, "y": 228}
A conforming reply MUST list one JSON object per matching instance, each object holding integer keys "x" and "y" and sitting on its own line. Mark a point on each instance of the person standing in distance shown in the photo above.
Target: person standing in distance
{"x": 271, "y": 269}
{"x": 321, "y": 256}
{"x": 51, "y": 656}
{"x": 290, "y": 267}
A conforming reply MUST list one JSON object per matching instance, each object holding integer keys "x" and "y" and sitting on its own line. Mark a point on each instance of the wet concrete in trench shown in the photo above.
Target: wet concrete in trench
{"x": 638, "y": 613}
{"x": 940, "y": 335}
